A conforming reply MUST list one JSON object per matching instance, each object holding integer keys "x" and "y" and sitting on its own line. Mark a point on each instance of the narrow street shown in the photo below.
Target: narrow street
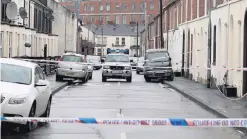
{"x": 116, "y": 99}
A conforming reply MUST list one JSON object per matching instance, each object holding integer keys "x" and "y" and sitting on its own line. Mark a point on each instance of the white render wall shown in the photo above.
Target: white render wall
{"x": 87, "y": 34}
{"x": 129, "y": 41}
{"x": 65, "y": 26}
{"x": 229, "y": 20}
{"x": 14, "y": 37}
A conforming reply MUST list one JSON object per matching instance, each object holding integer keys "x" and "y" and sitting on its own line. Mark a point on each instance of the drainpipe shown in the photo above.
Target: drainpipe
{"x": 209, "y": 46}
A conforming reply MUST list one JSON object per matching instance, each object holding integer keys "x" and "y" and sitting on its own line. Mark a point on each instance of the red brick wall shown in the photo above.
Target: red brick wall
{"x": 179, "y": 12}
{"x": 184, "y": 11}
{"x": 189, "y": 10}
{"x": 113, "y": 9}
{"x": 218, "y": 2}
{"x": 194, "y": 9}
{"x": 201, "y": 8}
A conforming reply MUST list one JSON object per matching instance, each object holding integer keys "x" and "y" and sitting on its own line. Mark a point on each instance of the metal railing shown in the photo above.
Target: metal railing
{"x": 48, "y": 67}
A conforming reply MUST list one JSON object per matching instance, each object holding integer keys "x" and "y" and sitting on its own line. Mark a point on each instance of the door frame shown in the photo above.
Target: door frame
{"x": 244, "y": 88}
{"x": 183, "y": 55}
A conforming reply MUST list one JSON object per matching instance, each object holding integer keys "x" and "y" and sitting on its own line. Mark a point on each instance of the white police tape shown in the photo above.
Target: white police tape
{"x": 138, "y": 121}
{"x": 169, "y": 67}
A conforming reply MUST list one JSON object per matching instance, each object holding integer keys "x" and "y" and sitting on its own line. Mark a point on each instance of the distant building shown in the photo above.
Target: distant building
{"x": 116, "y": 38}
{"x": 65, "y": 26}
{"x": 119, "y": 12}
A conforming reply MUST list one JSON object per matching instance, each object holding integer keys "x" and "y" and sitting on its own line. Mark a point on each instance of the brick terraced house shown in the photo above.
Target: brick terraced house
{"x": 205, "y": 33}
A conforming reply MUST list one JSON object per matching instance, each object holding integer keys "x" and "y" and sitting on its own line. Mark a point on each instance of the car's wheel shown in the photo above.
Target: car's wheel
{"x": 103, "y": 78}
{"x": 129, "y": 79}
{"x": 31, "y": 125}
{"x": 147, "y": 79}
{"x": 48, "y": 109}
{"x": 171, "y": 78}
{"x": 91, "y": 76}
{"x": 84, "y": 79}
{"x": 59, "y": 78}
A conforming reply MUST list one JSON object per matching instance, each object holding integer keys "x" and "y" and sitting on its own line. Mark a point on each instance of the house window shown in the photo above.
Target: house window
{"x": 99, "y": 52}
{"x": 10, "y": 44}
{"x": 108, "y": 7}
{"x": 117, "y": 41}
{"x": 107, "y": 18}
{"x": 124, "y": 19}
{"x": 151, "y": 5}
{"x": 133, "y": 6}
{"x": 35, "y": 18}
{"x": 123, "y": 41}
{"x": 142, "y": 16}
{"x": 142, "y": 5}
{"x": 124, "y": 6}
{"x": 117, "y": 19}
{"x": 91, "y": 8}
{"x": 18, "y": 44}
{"x": 101, "y": 8}
{"x": 214, "y": 47}
{"x": 39, "y": 22}
{"x": 191, "y": 55}
{"x": 85, "y": 7}
{"x": 135, "y": 41}
{"x": 133, "y": 17}
{"x": 101, "y": 18}
{"x": 92, "y": 19}
{"x": 118, "y": 6}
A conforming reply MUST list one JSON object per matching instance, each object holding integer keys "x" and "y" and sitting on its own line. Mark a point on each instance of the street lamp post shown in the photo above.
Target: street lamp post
{"x": 161, "y": 28}
{"x": 102, "y": 42}
{"x": 137, "y": 40}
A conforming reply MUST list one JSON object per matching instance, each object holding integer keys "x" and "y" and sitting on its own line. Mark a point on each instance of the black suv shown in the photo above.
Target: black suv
{"x": 158, "y": 65}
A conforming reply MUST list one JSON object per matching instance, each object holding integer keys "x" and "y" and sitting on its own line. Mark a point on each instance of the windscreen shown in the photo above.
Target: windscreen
{"x": 16, "y": 74}
{"x": 72, "y": 58}
{"x": 157, "y": 56}
{"x": 117, "y": 58}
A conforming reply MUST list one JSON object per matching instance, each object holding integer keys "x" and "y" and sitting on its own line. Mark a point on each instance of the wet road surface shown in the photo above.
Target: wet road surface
{"x": 116, "y": 99}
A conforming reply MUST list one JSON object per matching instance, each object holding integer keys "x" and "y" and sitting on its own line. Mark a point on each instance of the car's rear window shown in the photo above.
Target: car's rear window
{"x": 72, "y": 58}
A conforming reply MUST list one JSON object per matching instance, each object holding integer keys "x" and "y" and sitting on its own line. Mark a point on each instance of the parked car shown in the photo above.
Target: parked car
{"x": 72, "y": 66}
{"x": 25, "y": 91}
{"x": 158, "y": 65}
{"x": 134, "y": 62}
{"x": 96, "y": 64}
{"x": 117, "y": 66}
{"x": 90, "y": 69}
{"x": 140, "y": 63}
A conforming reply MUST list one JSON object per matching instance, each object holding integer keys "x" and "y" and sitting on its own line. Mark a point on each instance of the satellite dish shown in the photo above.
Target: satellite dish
{"x": 22, "y": 12}
{"x": 11, "y": 10}
{"x": 5, "y": 1}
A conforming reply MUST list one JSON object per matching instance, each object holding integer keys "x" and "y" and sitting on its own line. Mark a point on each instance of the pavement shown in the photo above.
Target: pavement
{"x": 211, "y": 99}
{"x": 119, "y": 99}
{"x": 55, "y": 86}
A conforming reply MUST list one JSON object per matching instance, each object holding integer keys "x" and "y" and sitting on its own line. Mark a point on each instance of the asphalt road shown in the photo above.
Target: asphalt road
{"x": 117, "y": 98}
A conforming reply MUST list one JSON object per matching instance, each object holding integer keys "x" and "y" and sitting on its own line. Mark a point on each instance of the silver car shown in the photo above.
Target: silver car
{"x": 117, "y": 66}
{"x": 140, "y": 63}
{"x": 72, "y": 66}
{"x": 90, "y": 68}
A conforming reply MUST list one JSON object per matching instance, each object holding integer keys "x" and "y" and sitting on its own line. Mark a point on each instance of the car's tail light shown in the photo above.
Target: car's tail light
{"x": 60, "y": 59}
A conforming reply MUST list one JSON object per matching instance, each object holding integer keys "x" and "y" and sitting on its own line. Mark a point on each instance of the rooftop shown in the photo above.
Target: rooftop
{"x": 116, "y": 30}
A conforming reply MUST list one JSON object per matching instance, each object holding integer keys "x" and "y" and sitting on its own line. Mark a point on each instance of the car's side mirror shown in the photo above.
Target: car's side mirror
{"x": 170, "y": 58}
{"x": 102, "y": 60}
{"x": 131, "y": 60}
{"x": 41, "y": 83}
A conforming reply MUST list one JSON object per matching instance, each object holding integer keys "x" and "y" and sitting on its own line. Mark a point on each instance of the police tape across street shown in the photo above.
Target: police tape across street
{"x": 137, "y": 121}
{"x": 174, "y": 67}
